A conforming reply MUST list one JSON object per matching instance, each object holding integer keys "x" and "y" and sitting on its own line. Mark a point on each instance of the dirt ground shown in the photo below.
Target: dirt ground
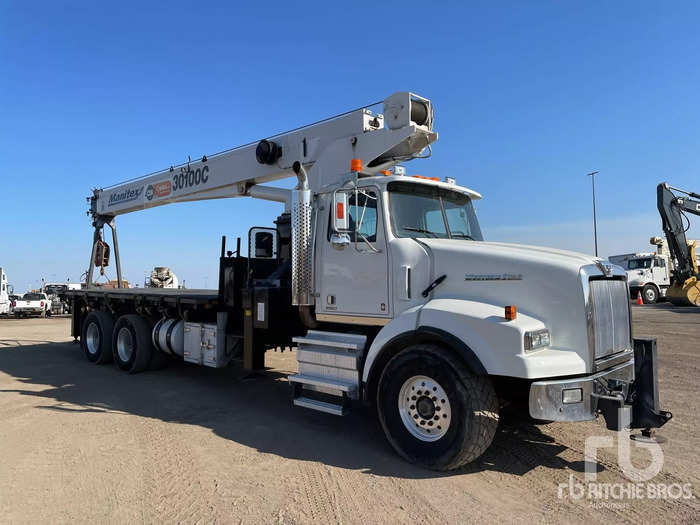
{"x": 83, "y": 443}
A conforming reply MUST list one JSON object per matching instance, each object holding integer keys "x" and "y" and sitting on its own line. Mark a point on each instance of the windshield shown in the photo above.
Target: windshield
{"x": 33, "y": 297}
{"x": 55, "y": 288}
{"x": 637, "y": 264}
{"x": 419, "y": 210}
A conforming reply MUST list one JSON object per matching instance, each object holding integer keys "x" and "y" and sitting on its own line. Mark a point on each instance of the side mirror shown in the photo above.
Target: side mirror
{"x": 341, "y": 220}
{"x": 340, "y": 240}
{"x": 262, "y": 243}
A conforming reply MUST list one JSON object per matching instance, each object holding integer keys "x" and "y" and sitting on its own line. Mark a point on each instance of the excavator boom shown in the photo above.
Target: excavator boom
{"x": 685, "y": 287}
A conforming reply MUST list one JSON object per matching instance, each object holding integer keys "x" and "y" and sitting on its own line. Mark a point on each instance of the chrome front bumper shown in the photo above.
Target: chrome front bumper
{"x": 626, "y": 393}
{"x": 547, "y": 397}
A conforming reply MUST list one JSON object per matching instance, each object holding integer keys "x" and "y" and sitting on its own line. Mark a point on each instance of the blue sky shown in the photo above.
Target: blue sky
{"x": 529, "y": 97}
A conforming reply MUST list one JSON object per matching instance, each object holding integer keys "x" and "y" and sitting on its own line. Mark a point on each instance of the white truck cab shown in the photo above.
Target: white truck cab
{"x": 648, "y": 274}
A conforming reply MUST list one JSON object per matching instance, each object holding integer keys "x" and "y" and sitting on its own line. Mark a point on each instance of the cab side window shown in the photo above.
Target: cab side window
{"x": 659, "y": 262}
{"x": 363, "y": 215}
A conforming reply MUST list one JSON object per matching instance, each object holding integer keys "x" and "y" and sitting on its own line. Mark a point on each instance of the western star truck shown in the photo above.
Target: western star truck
{"x": 386, "y": 287}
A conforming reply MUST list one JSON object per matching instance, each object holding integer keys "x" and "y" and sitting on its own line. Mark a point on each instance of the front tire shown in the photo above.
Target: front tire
{"x": 433, "y": 410}
{"x": 650, "y": 294}
{"x": 96, "y": 337}
{"x": 132, "y": 347}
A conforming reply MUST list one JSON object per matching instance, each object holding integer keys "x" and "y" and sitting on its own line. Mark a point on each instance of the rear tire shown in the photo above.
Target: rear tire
{"x": 433, "y": 410}
{"x": 96, "y": 337}
{"x": 131, "y": 343}
{"x": 650, "y": 294}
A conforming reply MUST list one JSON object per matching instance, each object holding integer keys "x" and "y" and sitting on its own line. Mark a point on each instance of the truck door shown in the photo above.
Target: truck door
{"x": 660, "y": 271}
{"x": 353, "y": 281}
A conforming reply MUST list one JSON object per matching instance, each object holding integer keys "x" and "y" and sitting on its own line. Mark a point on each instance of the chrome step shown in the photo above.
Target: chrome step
{"x": 328, "y": 363}
{"x": 332, "y": 340}
{"x": 321, "y": 406}
{"x": 338, "y": 387}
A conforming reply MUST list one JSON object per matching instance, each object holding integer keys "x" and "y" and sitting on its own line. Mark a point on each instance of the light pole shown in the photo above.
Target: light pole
{"x": 595, "y": 223}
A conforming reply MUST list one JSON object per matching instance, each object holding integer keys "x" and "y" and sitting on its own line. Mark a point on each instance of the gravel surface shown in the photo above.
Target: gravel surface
{"x": 84, "y": 443}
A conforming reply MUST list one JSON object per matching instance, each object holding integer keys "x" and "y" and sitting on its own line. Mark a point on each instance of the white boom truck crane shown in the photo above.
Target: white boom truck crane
{"x": 386, "y": 287}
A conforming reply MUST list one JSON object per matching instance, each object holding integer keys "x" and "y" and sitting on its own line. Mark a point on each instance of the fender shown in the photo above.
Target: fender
{"x": 376, "y": 361}
{"x": 485, "y": 341}
{"x": 402, "y": 332}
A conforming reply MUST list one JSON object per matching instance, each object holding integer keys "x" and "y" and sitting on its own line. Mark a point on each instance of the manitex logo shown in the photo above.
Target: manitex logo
{"x": 123, "y": 196}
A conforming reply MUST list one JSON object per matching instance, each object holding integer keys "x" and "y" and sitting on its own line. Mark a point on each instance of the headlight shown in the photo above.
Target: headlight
{"x": 536, "y": 339}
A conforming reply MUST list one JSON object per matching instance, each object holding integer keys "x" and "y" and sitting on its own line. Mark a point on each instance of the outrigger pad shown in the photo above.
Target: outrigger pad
{"x": 644, "y": 394}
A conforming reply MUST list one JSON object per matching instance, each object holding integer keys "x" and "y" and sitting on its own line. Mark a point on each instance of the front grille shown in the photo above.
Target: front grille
{"x": 610, "y": 316}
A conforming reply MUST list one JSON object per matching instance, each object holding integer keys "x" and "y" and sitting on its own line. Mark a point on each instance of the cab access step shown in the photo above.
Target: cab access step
{"x": 329, "y": 371}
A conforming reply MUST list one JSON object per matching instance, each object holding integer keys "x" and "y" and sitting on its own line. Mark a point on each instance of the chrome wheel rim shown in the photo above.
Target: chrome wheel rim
{"x": 125, "y": 344}
{"x": 651, "y": 295}
{"x": 92, "y": 338}
{"x": 424, "y": 408}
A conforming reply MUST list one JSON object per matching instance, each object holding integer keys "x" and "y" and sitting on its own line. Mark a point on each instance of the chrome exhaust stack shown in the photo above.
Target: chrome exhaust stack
{"x": 302, "y": 240}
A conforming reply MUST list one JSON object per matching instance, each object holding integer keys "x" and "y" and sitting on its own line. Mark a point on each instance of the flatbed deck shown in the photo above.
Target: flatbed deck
{"x": 168, "y": 295}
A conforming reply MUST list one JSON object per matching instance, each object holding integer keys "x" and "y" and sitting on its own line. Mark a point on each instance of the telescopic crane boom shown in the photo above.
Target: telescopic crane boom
{"x": 685, "y": 288}
{"x": 318, "y": 155}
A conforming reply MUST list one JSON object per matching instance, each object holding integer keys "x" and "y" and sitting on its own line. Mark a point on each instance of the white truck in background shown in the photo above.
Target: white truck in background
{"x": 648, "y": 273}
{"x": 56, "y": 292}
{"x": 386, "y": 287}
{"x": 33, "y": 303}
{"x": 5, "y": 302}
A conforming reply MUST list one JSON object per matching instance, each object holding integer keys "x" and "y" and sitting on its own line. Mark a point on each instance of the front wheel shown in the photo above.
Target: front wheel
{"x": 650, "y": 294}
{"x": 433, "y": 410}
